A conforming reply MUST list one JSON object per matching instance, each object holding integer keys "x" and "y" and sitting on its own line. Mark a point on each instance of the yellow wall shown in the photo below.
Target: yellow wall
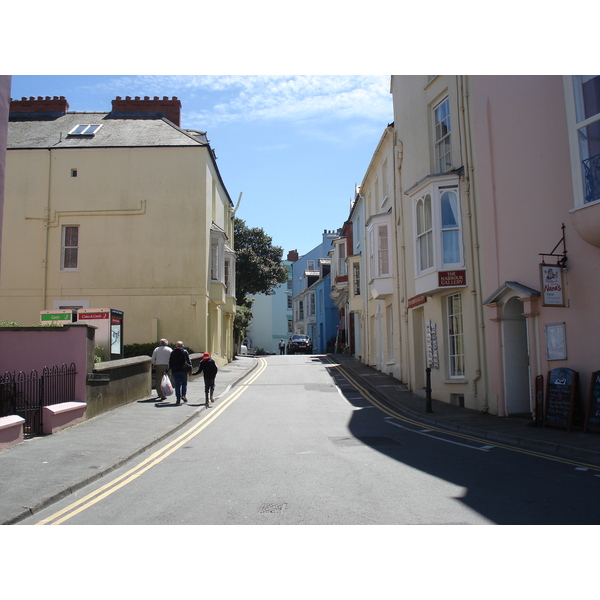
{"x": 144, "y": 217}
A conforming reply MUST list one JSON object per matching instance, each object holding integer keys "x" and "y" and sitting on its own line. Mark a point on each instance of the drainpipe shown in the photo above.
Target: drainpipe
{"x": 398, "y": 154}
{"x": 467, "y": 152}
{"x": 46, "y": 232}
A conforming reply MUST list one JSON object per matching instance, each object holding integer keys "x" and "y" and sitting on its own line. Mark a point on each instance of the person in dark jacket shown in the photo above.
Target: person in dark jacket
{"x": 209, "y": 368}
{"x": 180, "y": 365}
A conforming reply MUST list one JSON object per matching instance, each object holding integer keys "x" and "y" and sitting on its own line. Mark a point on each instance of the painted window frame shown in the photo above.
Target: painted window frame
{"x": 455, "y": 336}
{"x": 380, "y": 254}
{"x": 431, "y": 236}
{"x": 356, "y": 279}
{"x": 442, "y": 135}
{"x": 67, "y": 248}
{"x": 85, "y": 130}
{"x": 582, "y": 123}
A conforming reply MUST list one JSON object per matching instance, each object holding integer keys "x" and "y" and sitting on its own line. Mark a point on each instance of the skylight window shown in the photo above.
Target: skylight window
{"x": 86, "y": 130}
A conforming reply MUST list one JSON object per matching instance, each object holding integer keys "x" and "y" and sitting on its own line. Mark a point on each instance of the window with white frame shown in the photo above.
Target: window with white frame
{"x": 356, "y": 279}
{"x": 230, "y": 275}
{"x": 442, "y": 141}
{"x": 215, "y": 272}
{"x": 301, "y": 310}
{"x": 383, "y": 250}
{"x": 85, "y": 130}
{"x": 311, "y": 305}
{"x": 342, "y": 258}
{"x": 379, "y": 249}
{"x": 70, "y": 248}
{"x": 438, "y": 227}
{"x": 456, "y": 342}
{"x": 424, "y": 231}
{"x": 310, "y": 265}
{"x": 586, "y": 89}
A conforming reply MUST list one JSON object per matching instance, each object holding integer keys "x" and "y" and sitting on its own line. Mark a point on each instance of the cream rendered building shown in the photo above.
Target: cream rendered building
{"x": 381, "y": 323}
{"x": 441, "y": 288}
{"x": 121, "y": 210}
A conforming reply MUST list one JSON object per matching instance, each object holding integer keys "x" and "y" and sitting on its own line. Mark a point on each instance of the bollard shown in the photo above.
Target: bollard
{"x": 428, "y": 391}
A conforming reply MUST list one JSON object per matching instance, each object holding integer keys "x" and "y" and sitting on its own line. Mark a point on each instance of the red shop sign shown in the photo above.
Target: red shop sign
{"x": 452, "y": 278}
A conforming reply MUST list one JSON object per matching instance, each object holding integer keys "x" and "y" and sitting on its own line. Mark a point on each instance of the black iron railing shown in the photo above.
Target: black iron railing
{"x": 26, "y": 395}
{"x": 591, "y": 177}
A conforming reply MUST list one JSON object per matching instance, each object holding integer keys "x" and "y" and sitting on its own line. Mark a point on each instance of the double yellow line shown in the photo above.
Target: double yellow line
{"x": 110, "y": 488}
{"x": 397, "y": 415}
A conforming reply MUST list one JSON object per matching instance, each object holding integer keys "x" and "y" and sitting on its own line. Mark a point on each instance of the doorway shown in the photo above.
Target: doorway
{"x": 517, "y": 385}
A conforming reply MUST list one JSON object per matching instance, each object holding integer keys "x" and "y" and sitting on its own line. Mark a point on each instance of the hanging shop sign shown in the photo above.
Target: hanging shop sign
{"x": 416, "y": 301}
{"x": 553, "y": 285}
{"x": 452, "y": 278}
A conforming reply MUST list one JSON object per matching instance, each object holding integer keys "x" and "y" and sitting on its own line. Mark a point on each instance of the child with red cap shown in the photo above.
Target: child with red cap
{"x": 209, "y": 368}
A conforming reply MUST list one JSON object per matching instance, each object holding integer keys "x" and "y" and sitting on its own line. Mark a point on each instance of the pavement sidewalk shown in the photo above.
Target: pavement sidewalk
{"x": 517, "y": 431}
{"x": 42, "y": 470}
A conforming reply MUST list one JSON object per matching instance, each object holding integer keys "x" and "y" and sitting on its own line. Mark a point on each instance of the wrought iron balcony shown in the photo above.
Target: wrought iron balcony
{"x": 591, "y": 175}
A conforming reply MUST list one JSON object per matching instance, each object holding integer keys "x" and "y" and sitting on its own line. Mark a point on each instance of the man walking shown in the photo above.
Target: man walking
{"x": 180, "y": 365}
{"x": 209, "y": 367}
{"x": 160, "y": 362}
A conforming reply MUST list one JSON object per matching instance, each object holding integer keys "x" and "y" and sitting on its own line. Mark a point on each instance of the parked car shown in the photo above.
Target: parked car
{"x": 299, "y": 343}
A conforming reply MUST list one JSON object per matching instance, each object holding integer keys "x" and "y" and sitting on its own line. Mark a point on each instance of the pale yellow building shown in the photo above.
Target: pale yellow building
{"x": 121, "y": 209}
{"x": 381, "y": 324}
{"x": 441, "y": 299}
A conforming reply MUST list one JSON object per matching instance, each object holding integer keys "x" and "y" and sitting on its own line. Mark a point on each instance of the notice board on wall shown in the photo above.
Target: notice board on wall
{"x": 561, "y": 393}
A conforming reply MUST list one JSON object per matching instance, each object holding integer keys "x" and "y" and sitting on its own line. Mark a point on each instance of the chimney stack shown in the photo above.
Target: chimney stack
{"x": 40, "y": 107}
{"x": 292, "y": 255}
{"x": 171, "y": 109}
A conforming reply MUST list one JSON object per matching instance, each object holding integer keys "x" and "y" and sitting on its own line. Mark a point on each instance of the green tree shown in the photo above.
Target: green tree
{"x": 258, "y": 270}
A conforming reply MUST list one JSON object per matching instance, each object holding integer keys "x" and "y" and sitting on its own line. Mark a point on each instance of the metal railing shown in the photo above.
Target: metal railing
{"x": 26, "y": 395}
{"x": 591, "y": 175}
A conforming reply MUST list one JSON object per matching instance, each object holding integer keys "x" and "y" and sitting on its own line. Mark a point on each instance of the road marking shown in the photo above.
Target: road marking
{"x": 399, "y": 416}
{"x": 426, "y": 433}
{"x": 157, "y": 457}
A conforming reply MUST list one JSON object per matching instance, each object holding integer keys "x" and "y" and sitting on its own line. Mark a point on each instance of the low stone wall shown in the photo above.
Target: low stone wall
{"x": 117, "y": 382}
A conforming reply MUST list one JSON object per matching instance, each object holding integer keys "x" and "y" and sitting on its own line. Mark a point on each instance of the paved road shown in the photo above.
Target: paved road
{"x": 298, "y": 444}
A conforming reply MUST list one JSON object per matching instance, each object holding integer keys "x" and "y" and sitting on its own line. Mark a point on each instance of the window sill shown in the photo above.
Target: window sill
{"x": 459, "y": 381}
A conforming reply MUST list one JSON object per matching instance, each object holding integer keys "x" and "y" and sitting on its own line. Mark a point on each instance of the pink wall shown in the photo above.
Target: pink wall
{"x": 28, "y": 348}
{"x": 524, "y": 194}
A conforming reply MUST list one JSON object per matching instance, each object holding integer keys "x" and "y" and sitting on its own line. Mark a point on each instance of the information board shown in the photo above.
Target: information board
{"x": 560, "y": 398}
{"x": 592, "y": 418}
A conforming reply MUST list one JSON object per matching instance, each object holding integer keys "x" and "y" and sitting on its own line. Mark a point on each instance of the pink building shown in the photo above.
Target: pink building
{"x": 535, "y": 146}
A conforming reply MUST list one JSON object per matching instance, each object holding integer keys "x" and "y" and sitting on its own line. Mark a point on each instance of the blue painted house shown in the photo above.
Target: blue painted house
{"x": 315, "y": 313}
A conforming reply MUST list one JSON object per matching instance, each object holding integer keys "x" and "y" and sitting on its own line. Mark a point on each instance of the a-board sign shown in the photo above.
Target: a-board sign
{"x": 592, "y": 417}
{"x": 560, "y": 397}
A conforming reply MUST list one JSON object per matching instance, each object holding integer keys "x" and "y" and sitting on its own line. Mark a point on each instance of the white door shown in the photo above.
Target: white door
{"x": 516, "y": 359}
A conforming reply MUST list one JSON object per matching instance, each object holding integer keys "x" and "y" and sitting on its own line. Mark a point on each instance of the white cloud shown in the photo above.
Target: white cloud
{"x": 231, "y": 98}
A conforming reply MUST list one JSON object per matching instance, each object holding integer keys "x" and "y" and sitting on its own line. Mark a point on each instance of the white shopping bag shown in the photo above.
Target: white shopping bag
{"x": 165, "y": 386}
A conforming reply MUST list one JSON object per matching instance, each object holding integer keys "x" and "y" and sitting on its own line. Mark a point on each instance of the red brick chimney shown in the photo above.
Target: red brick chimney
{"x": 292, "y": 255}
{"x": 56, "y": 106}
{"x": 171, "y": 109}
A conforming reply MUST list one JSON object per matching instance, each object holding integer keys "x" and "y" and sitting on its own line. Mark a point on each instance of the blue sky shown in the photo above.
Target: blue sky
{"x": 293, "y": 145}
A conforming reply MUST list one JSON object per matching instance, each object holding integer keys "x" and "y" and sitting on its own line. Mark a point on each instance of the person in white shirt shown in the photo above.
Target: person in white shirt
{"x": 160, "y": 362}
